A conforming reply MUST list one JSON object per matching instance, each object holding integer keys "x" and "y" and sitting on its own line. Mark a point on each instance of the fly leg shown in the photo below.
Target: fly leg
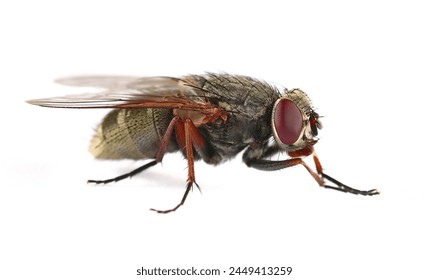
{"x": 188, "y": 137}
{"x": 339, "y": 186}
{"x": 319, "y": 176}
{"x": 159, "y": 156}
{"x": 272, "y": 165}
{"x": 344, "y": 188}
{"x": 124, "y": 176}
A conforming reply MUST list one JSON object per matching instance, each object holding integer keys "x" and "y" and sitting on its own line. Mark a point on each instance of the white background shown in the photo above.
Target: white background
{"x": 365, "y": 65}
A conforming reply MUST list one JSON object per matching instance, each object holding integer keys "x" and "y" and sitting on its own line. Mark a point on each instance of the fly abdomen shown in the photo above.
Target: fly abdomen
{"x": 131, "y": 134}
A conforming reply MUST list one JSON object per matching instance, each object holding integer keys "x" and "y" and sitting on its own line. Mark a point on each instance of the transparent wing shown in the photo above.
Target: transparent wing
{"x": 130, "y": 92}
{"x": 109, "y": 82}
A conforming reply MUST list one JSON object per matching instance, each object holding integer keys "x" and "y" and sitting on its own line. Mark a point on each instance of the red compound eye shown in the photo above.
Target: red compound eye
{"x": 288, "y": 121}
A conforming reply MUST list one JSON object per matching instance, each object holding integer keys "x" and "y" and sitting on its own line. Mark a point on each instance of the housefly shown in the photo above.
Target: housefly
{"x": 212, "y": 117}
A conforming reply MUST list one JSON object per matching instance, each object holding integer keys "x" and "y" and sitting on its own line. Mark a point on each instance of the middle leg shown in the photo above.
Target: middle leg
{"x": 188, "y": 138}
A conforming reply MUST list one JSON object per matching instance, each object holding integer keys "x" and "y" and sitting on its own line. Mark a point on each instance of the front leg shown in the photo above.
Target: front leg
{"x": 272, "y": 165}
